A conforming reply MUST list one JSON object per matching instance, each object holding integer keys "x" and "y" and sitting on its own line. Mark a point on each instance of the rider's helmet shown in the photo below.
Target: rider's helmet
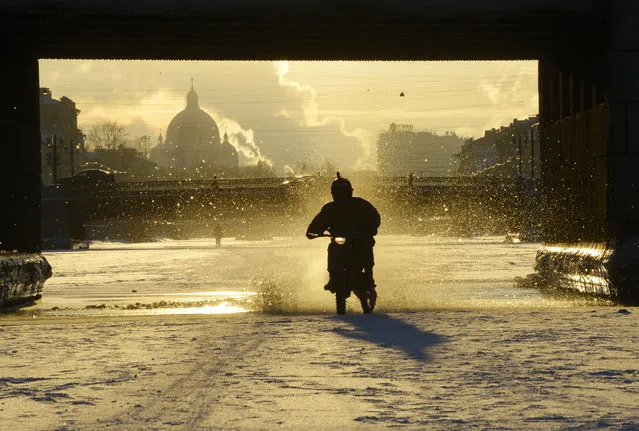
{"x": 341, "y": 189}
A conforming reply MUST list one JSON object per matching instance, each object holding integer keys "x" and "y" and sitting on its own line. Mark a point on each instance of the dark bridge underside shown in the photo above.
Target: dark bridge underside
{"x": 247, "y": 29}
{"x": 581, "y": 54}
{"x": 528, "y": 29}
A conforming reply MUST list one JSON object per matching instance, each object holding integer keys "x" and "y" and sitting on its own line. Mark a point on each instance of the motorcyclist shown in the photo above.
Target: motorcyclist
{"x": 351, "y": 217}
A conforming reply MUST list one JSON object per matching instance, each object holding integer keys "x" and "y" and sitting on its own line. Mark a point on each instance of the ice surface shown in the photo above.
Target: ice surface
{"x": 412, "y": 273}
{"x": 461, "y": 347}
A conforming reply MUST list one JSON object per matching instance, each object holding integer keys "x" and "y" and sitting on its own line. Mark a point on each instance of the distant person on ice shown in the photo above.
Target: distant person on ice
{"x": 348, "y": 216}
{"x": 217, "y": 232}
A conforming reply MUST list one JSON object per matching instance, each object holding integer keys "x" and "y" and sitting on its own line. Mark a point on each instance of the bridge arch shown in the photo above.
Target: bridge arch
{"x": 588, "y": 52}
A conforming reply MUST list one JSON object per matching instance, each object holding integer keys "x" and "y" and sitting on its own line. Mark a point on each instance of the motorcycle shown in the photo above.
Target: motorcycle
{"x": 349, "y": 275}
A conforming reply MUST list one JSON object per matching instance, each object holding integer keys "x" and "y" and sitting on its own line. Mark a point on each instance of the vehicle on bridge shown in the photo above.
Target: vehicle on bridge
{"x": 89, "y": 178}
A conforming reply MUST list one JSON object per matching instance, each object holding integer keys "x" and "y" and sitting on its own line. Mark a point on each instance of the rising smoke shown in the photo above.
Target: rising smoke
{"x": 243, "y": 141}
{"x": 309, "y": 116}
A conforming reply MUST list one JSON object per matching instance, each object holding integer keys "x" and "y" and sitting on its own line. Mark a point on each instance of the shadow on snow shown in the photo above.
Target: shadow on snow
{"x": 389, "y": 332}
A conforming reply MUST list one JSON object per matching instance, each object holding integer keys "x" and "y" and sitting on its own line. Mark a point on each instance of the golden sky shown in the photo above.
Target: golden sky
{"x": 300, "y": 111}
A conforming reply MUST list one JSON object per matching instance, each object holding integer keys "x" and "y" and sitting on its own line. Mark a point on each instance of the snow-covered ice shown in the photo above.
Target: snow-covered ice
{"x": 454, "y": 345}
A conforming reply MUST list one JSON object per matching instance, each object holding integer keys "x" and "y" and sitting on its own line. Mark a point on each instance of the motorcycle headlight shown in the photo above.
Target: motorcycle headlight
{"x": 340, "y": 240}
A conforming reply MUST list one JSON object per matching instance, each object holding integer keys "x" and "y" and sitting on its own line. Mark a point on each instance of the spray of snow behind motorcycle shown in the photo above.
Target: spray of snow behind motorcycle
{"x": 348, "y": 274}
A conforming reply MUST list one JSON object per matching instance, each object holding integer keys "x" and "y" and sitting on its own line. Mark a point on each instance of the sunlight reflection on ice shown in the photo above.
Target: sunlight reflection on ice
{"x": 222, "y": 308}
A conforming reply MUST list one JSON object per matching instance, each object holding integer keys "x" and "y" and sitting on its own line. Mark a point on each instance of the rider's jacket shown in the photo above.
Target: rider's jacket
{"x": 356, "y": 216}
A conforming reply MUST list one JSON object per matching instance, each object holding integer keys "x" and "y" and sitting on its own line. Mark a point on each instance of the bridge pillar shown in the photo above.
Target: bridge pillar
{"x": 573, "y": 139}
{"x": 20, "y": 162}
{"x": 591, "y": 164}
{"x": 623, "y": 93}
{"x": 23, "y": 270}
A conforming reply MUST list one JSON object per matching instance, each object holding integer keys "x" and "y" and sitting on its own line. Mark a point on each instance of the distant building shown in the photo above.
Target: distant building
{"x": 478, "y": 154}
{"x": 510, "y": 151}
{"x": 522, "y": 140}
{"x": 192, "y": 146}
{"x": 402, "y": 151}
{"x": 531, "y": 166}
{"x": 62, "y": 143}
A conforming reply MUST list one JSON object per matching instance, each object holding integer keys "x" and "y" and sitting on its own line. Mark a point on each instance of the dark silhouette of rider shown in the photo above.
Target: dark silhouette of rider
{"x": 351, "y": 217}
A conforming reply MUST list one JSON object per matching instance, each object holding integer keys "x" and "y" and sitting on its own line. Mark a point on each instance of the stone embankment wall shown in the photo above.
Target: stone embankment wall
{"x": 22, "y": 276}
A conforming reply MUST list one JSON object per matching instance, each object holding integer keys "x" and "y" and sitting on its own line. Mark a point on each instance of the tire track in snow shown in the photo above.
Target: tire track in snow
{"x": 189, "y": 398}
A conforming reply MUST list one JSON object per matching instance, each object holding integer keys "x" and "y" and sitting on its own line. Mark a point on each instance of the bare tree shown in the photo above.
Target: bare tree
{"x": 141, "y": 144}
{"x": 106, "y": 135}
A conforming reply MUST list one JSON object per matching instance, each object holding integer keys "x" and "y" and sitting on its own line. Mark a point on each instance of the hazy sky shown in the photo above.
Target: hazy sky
{"x": 294, "y": 112}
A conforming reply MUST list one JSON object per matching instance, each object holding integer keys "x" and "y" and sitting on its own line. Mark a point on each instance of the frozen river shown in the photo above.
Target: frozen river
{"x": 153, "y": 336}
{"x": 192, "y": 276}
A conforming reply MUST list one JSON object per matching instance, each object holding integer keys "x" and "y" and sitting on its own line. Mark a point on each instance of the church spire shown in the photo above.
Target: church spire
{"x": 191, "y": 98}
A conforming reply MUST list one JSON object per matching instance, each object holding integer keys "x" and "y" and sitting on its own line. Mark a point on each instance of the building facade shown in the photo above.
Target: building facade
{"x": 402, "y": 151}
{"x": 510, "y": 151}
{"x": 62, "y": 143}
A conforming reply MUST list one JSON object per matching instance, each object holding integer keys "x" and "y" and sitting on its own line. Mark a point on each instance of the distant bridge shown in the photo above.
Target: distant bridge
{"x": 265, "y": 189}
{"x": 255, "y": 198}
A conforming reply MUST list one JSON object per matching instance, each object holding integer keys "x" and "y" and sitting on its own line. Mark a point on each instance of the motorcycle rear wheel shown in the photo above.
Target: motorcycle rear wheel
{"x": 372, "y": 299}
{"x": 365, "y": 306}
{"x": 367, "y": 300}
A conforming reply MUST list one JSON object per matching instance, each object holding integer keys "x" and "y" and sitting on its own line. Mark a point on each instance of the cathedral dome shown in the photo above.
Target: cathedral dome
{"x": 193, "y": 144}
{"x": 193, "y": 128}
{"x": 192, "y": 138}
{"x": 228, "y": 157}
